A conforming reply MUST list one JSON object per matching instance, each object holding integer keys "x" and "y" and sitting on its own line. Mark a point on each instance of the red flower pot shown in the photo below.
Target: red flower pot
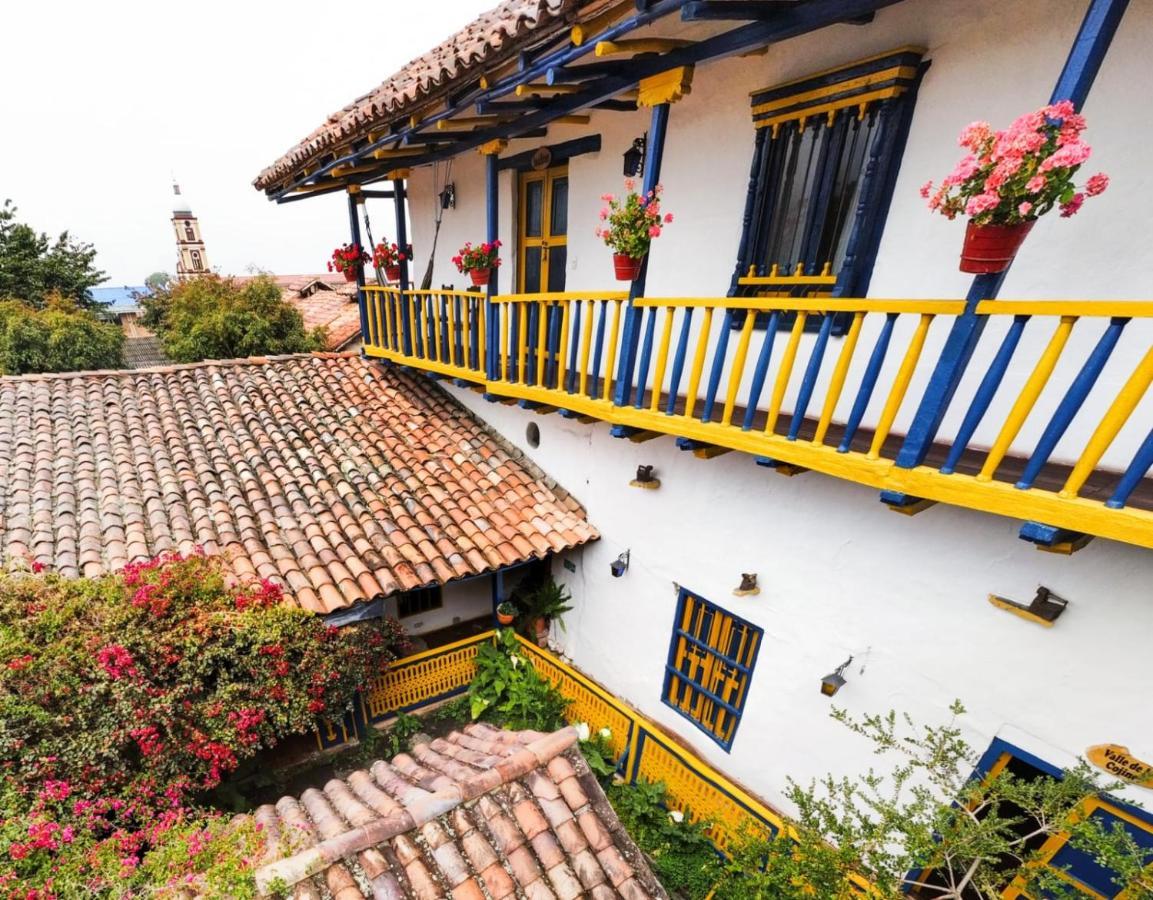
{"x": 627, "y": 268}
{"x": 505, "y": 618}
{"x": 392, "y": 273}
{"x": 990, "y": 248}
{"x": 350, "y": 274}
{"x": 479, "y": 276}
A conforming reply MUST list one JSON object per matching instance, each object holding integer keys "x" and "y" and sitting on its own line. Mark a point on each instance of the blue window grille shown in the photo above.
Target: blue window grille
{"x": 710, "y": 665}
{"x": 825, "y": 162}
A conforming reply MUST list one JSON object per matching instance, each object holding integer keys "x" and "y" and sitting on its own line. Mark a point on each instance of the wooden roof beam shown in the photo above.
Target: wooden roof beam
{"x": 748, "y": 11}
{"x": 639, "y": 45}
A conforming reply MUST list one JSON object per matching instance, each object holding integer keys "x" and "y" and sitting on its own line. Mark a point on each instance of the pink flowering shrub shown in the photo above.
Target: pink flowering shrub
{"x": 632, "y": 221}
{"x": 1019, "y": 174}
{"x": 125, "y": 698}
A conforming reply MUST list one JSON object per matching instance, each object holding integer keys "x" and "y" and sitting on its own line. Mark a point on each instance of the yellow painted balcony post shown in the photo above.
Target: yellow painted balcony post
{"x": 738, "y": 367}
{"x": 562, "y": 350}
{"x": 522, "y": 344}
{"x": 542, "y": 342}
{"x": 1027, "y": 398}
{"x": 662, "y": 358}
{"x": 900, "y": 386}
{"x": 611, "y": 364}
{"x": 837, "y": 383}
{"x": 586, "y": 347}
{"x": 698, "y": 362}
{"x": 1115, "y": 418}
{"x": 782, "y": 383}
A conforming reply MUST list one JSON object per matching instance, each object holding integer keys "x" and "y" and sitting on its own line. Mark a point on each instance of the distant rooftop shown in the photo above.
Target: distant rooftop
{"x": 119, "y": 299}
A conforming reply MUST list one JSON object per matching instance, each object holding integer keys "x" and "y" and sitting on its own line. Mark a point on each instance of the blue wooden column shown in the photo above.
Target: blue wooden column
{"x": 355, "y": 198}
{"x": 400, "y": 204}
{"x": 1080, "y": 69}
{"x": 631, "y": 333}
{"x": 491, "y": 153}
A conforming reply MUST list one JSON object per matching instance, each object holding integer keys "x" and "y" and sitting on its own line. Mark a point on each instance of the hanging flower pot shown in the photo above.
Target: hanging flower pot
{"x": 627, "y": 268}
{"x": 350, "y": 274}
{"x": 478, "y": 262}
{"x": 348, "y": 260}
{"x": 991, "y": 248}
{"x": 631, "y": 223}
{"x": 1008, "y": 179}
{"x": 392, "y": 273}
{"x": 388, "y": 257}
{"x": 506, "y": 612}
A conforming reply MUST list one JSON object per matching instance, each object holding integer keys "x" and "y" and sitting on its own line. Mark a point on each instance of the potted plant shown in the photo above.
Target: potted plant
{"x": 506, "y": 612}
{"x": 388, "y": 257}
{"x": 348, "y": 260}
{"x": 632, "y": 223}
{"x": 478, "y": 262}
{"x": 1010, "y": 178}
{"x": 540, "y": 605}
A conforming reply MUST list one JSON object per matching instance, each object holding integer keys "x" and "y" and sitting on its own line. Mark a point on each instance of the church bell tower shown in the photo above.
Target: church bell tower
{"x": 191, "y": 257}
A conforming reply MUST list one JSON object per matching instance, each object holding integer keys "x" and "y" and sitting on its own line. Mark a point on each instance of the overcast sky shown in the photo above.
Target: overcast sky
{"x": 101, "y": 104}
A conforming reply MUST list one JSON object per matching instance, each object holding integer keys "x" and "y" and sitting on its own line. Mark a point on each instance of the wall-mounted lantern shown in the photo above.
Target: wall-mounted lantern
{"x": 1045, "y": 608}
{"x": 645, "y": 479}
{"x": 748, "y": 586}
{"x": 448, "y": 197}
{"x": 620, "y": 565}
{"x": 835, "y": 680}
{"x": 635, "y": 159}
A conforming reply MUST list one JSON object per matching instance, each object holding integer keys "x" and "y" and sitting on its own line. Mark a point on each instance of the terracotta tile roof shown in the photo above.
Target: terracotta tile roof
{"x": 334, "y": 309}
{"x": 338, "y": 478}
{"x": 480, "y": 815}
{"x": 492, "y": 38}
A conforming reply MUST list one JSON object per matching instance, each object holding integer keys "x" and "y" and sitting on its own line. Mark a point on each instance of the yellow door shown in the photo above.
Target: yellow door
{"x": 542, "y": 230}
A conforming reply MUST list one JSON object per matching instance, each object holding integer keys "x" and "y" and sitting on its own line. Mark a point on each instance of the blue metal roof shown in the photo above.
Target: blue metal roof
{"x": 120, "y": 299}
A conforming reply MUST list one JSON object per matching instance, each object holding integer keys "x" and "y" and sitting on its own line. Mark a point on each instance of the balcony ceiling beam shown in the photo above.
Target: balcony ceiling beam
{"x": 799, "y": 18}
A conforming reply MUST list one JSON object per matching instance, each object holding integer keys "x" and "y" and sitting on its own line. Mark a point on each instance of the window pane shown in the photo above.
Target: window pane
{"x": 531, "y": 270}
{"x": 558, "y": 224}
{"x": 533, "y": 203}
{"x": 557, "y": 260}
{"x": 847, "y": 188}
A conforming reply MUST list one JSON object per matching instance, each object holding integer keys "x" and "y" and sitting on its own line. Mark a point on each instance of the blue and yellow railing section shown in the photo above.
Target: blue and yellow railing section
{"x": 820, "y": 383}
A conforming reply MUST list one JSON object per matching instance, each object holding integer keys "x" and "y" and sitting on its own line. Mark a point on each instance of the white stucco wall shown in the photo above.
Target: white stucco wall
{"x": 840, "y": 573}
{"x": 989, "y": 60}
{"x": 462, "y": 600}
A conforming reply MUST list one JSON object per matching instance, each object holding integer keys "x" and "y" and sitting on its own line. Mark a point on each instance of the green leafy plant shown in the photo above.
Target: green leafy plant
{"x": 58, "y": 337}
{"x": 398, "y": 738}
{"x": 632, "y": 221}
{"x": 506, "y": 608}
{"x": 681, "y": 852}
{"x": 508, "y": 691}
{"x": 210, "y": 317}
{"x": 596, "y": 747}
{"x": 930, "y": 829}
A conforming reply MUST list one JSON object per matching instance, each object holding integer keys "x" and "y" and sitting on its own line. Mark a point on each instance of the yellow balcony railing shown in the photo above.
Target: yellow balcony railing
{"x": 824, "y": 383}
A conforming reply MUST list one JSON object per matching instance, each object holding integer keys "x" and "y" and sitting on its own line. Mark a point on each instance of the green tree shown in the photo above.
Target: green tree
{"x": 930, "y": 829}
{"x": 157, "y": 281}
{"x": 60, "y": 337}
{"x": 219, "y": 318}
{"x": 33, "y": 267}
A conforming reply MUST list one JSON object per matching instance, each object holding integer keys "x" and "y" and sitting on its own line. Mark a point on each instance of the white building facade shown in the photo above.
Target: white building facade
{"x": 840, "y": 574}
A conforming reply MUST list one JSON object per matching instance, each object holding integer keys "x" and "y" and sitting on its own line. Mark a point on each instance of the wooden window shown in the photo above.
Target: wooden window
{"x": 710, "y": 664}
{"x": 1072, "y": 865}
{"x": 825, "y": 161}
{"x": 413, "y": 603}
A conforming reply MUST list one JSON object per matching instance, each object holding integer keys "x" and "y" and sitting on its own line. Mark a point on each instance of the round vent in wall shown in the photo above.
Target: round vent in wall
{"x": 532, "y": 434}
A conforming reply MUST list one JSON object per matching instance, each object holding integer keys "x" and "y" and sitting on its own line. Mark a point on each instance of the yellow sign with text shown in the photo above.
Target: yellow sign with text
{"x": 1118, "y": 762}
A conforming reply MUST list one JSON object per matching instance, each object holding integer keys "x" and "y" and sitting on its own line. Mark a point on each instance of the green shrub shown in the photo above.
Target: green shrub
{"x": 58, "y": 338}
{"x": 124, "y": 698}
{"x": 210, "y": 317}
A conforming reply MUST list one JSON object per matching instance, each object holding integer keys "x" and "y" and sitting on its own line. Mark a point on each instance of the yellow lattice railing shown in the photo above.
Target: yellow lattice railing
{"x": 693, "y": 785}
{"x": 423, "y": 679}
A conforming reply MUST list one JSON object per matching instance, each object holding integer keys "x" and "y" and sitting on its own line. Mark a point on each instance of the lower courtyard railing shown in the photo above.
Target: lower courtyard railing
{"x": 762, "y": 375}
{"x": 425, "y": 679}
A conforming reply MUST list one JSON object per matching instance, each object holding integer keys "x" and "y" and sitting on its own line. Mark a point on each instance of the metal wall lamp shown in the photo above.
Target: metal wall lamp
{"x": 634, "y": 166}
{"x": 620, "y": 565}
{"x": 835, "y": 680}
{"x": 645, "y": 479}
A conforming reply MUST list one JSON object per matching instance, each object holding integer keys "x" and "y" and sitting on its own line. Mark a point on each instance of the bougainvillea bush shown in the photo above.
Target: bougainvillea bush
{"x": 123, "y": 699}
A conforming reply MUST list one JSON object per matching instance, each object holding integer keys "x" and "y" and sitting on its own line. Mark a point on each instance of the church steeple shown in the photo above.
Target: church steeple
{"x": 192, "y": 260}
